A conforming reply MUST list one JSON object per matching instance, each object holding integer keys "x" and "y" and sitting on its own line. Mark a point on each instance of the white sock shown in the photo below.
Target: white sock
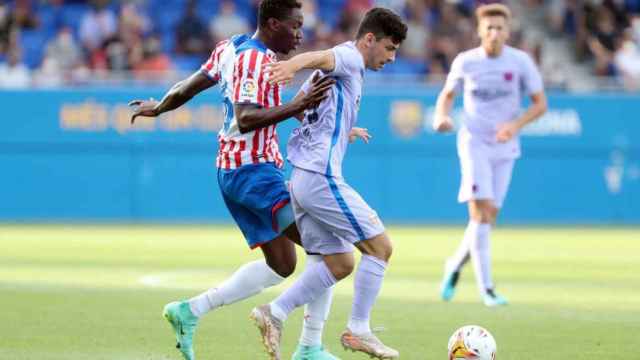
{"x": 462, "y": 254}
{"x": 366, "y": 286}
{"x": 481, "y": 255}
{"x": 312, "y": 283}
{"x": 250, "y": 279}
{"x": 315, "y": 312}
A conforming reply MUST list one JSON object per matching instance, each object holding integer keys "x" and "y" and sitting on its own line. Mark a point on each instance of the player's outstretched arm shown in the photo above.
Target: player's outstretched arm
{"x": 537, "y": 108}
{"x": 442, "y": 121}
{"x": 251, "y": 116}
{"x": 282, "y": 72}
{"x": 179, "y": 94}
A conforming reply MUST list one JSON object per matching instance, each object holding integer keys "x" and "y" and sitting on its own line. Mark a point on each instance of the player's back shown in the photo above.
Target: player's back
{"x": 245, "y": 81}
{"x": 320, "y": 143}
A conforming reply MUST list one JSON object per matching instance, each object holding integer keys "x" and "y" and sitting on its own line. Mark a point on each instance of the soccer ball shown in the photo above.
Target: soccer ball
{"x": 472, "y": 342}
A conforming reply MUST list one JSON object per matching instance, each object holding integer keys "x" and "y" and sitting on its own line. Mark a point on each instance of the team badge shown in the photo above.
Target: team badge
{"x": 406, "y": 118}
{"x": 508, "y": 76}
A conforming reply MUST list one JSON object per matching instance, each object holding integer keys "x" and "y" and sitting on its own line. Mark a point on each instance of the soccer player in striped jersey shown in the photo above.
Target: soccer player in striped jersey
{"x": 494, "y": 78}
{"x": 249, "y": 168}
{"x": 332, "y": 216}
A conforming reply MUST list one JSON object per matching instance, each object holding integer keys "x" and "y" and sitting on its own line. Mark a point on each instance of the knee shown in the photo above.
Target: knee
{"x": 485, "y": 214}
{"x": 342, "y": 269}
{"x": 283, "y": 268}
{"x": 384, "y": 251}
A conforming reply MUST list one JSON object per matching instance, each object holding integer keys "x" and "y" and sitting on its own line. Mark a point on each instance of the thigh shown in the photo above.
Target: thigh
{"x": 476, "y": 181}
{"x": 335, "y": 206}
{"x": 257, "y": 198}
{"x": 502, "y": 171}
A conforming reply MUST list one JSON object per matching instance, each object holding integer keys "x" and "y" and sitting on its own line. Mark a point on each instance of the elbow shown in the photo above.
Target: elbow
{"x": 543, "y": 107}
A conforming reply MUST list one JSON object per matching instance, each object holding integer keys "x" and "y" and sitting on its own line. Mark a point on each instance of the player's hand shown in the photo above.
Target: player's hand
{"x": 361, "y": 133}
{"x": 280, "y": 72}
{"x": 506, "y": 131}
{"x": 442, "y": 124}
{"x": 318, "y": 91}
{"x": 143, "y": 108}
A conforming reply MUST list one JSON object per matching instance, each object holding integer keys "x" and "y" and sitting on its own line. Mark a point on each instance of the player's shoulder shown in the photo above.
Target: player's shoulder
{"x": 517, "y": 54}
{"x": 470, "y": 55}
{"x": 349, "y": 52}
{"x": 252, "y": 45}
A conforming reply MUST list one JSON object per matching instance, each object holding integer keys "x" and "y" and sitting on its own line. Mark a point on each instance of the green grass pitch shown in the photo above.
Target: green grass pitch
{"x": 97, "y": 292}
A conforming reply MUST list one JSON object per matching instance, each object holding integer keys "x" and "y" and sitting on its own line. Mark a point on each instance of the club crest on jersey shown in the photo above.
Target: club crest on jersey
{"x": 508, "y": 76}
{"x": 249, "y": 88}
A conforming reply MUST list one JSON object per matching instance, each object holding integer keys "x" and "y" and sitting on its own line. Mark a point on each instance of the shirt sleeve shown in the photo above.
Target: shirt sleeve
{"x": 531, "y": 79}
{"x": 455, "y": 78}
{"x": 211, "y": 68}
{"x": 250, "y": 85}
{"x": 347, "y": 61}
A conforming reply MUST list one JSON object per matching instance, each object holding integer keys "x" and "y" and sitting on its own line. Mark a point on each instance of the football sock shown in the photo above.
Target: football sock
{"x": 481, "y": 256}
{"x": 248, "y": 280}
{"x": 314, "y": 282}
{"x": 316, "y": 312}
{"x": 461, "y": 256}
{"x": 366, "y": 285}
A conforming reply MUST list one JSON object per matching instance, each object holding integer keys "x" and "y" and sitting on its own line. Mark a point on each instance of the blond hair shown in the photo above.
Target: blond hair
{"x": 493, "y": 10}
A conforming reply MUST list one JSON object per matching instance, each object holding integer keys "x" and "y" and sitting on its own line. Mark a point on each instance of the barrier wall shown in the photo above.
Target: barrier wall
{"x": 71, "y": 155}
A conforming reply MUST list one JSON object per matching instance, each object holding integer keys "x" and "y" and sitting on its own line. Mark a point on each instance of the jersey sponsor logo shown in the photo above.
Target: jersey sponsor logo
{"x": 490, "y": 94}
{"x": 249, "y": 88}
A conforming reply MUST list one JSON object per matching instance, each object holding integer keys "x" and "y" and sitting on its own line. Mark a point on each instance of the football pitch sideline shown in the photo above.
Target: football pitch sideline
{"x": 97, "y": 292}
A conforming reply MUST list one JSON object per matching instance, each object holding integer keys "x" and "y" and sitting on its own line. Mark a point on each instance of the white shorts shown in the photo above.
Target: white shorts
{"x": 331, "y": 216}
{"x": 485, "y": 168}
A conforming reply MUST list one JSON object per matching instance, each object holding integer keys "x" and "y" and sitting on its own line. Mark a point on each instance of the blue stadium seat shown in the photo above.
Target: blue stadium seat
{"x": 72, "y": 15}
{"x": 330, "y": 10}
{"x": 33, "y": 46}
{"x": 207, "y": 9}
{"x": 189, "y": 63}
{"x": 168, "y": 39}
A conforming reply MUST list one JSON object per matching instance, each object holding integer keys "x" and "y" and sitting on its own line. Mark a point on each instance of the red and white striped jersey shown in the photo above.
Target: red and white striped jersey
{"x": 239, "y": 67}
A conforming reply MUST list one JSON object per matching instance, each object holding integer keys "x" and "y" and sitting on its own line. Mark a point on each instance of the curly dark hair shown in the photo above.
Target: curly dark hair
{"x": 278, "y": 9}
{"x": 382, "y": 23}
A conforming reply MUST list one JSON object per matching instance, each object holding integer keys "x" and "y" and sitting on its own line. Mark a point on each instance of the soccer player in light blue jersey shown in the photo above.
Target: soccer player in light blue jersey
{"x": 331, "y": 216}
{"x": 494, "y": 78}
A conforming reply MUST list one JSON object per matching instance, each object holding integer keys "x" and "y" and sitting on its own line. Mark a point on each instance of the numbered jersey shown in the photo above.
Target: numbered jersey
{"x": 238, "y": 65}
{"x": 320, "y": 143}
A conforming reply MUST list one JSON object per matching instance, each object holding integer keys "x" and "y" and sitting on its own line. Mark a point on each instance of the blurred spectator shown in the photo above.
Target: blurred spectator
{"x": 153, "y": 60}
{"x": 97, "y": 25}
{"x": 12, "y": 21}
{"x": 415, "y": 45}
{"x": 627, "y": 61}
{"x": 192, "y": 37}
{"x": 602, "y": 41}
{"x": 227, "y": 23}
{"x": 23, "y": 16}
{"x": 14, "y": 74}
{"x": 49, "y": 74}
{"x": 64, "y": 51}
{"x": 311, "y": 22}
{"x": 5, "y": 27}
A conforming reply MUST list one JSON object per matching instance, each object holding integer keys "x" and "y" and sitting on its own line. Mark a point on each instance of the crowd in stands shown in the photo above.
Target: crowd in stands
{"x": 606, "y": 32}
{"x": 65, "y": 42}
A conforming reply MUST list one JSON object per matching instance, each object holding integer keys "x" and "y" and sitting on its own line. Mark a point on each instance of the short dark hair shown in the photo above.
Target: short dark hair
{"x": 383, "y": 23}
{"x": 278, "y": 9}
